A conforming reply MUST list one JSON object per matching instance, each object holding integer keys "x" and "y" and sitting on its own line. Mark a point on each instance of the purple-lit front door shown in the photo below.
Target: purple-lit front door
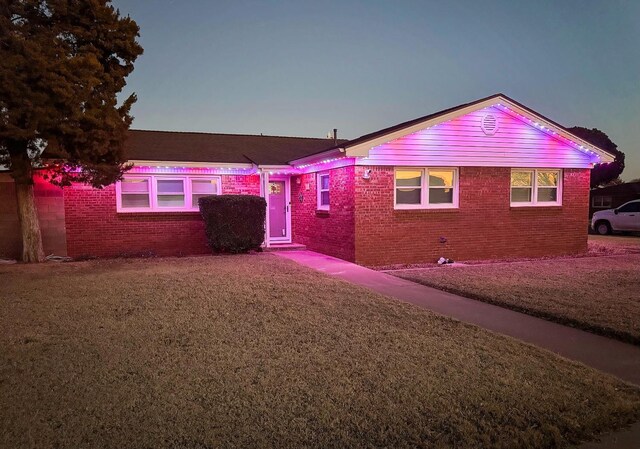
{"x": 278, "y": 209}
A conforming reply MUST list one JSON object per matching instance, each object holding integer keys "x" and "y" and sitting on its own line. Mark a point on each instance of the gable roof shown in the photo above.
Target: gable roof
{"x": 194, "y": 147}
{"x": 223, "y": 148}
{"x": 361, "y": 145}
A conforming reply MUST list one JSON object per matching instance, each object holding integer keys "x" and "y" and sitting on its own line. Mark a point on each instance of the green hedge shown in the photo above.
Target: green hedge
{"x": 234, "y": 223}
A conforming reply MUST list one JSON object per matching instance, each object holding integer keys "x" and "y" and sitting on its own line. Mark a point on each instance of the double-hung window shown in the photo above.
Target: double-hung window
{"x": 539, "y": 187}
{"x": 409, "y": 187}
{"x": 164, "y": 193}
{"x": 441, "y": 186}
{"x": 203, "y": 187}
{"x": 170, "y": 193}
{"x": 323, "y": 191}
{"x": 426, "y": 188}
{"x": 135, "y": 193}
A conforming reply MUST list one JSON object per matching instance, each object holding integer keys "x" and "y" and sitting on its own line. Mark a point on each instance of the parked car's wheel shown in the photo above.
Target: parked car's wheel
{"x": 603, "y": 227}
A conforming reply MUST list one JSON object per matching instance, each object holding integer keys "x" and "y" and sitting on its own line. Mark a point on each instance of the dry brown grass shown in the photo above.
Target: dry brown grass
{"x": 599, "y": 294}
{"x": 608, "y": 245}
{"x": 256, "y": 351}
{"x": 598, "y": 246}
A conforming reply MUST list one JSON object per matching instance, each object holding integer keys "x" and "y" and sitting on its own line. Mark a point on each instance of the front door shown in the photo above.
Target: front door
{"x": 278, "y": 212}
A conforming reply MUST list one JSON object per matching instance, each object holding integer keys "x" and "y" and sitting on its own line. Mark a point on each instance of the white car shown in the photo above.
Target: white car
{"x": 623, "y": 218}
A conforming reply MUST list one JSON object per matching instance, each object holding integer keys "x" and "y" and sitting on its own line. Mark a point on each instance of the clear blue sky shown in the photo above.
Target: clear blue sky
{"x": 303, "y": 68}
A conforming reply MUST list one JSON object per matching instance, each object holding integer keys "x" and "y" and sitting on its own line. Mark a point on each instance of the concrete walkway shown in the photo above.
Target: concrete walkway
{"x": 604, "y": 354}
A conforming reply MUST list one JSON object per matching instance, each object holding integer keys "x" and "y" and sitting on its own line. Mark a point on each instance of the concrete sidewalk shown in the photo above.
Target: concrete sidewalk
{"x": 611, "y": 356}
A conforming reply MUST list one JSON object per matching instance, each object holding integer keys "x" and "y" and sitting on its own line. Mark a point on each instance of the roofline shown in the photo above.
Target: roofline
{"x": 362, "y": 144}
{"x": 418, "y": 120}
{"x": 188, "y": 164}
{"x": 229, "y": 134}
{"x": 335, "y": 152}
{"x": 613, "y": 186}
{"x": 387, "y": 130}
{"x": 600, "y": 151}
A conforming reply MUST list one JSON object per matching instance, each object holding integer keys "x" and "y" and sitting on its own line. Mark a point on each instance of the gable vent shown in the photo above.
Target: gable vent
{"x": 489, "y": 124}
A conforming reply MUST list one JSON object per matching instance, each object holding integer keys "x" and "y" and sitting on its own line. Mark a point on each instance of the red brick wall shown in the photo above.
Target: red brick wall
{"x": 484, "y": 226}
{"x": 329, "y": 232}
{"x": 94, "y": 228}
{"x": 360, "y": 226}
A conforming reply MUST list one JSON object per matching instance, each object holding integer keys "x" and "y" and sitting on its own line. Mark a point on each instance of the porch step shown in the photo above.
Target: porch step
{"x": 286, "y": 247}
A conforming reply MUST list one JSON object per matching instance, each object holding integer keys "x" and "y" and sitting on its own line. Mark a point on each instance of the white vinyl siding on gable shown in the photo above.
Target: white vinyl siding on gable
{"x": 462, "y": 142}
{"x": 163, "y": 193}
{"x": 426, "y": 188}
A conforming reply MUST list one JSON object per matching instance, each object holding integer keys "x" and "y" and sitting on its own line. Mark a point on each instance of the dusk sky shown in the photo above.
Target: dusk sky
{"x": 302, "y": 68}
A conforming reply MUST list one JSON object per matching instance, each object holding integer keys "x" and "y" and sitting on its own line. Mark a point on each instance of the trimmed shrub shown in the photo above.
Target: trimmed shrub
{"x": 234, "y": 223}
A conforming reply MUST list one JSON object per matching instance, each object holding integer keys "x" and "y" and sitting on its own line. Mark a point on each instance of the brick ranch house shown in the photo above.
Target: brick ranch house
{"x": 487, "y": 179}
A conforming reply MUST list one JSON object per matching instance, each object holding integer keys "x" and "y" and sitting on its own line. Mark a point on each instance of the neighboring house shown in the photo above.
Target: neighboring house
{"x": 613, "y": 196}
{"x": 487, "y": 179}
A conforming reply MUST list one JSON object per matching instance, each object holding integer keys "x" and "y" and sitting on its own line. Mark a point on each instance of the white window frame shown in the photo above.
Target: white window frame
{"x": 155, "y": 203}
{"x": 320, "y": 190}
{"x": 424, "y": 189}
{"x": 153, "y": 193}
{"x": 534, "y": 194}
{"x": 119, "y": 207}
{"x": 602, "y": 205}
{"x": 194, "y": 207}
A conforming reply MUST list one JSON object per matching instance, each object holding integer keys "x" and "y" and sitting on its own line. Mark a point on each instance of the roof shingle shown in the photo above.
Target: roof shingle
{"x": 223, "y": 148}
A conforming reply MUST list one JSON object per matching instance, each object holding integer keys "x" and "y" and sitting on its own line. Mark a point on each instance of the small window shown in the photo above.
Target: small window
{"x": 134, "y": 193}
{"x": 535, "y": 187}
{"x": 601, "y": 202}
{"x": 423, "y": 188}
{"x": 203, "y": 187}
{"x": 323, "y": 191}
{"x": 170, "y": 192}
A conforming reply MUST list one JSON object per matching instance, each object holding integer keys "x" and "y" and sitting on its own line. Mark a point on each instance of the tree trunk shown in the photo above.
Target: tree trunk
{"x": 22, "y": 173}
{"x": 30, "y": 226}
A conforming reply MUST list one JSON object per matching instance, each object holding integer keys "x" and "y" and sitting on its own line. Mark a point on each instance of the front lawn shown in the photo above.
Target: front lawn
{"x": 256, "y": 351}
{"x": 599, "y": 294}
{"x": 613, "y": 244}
